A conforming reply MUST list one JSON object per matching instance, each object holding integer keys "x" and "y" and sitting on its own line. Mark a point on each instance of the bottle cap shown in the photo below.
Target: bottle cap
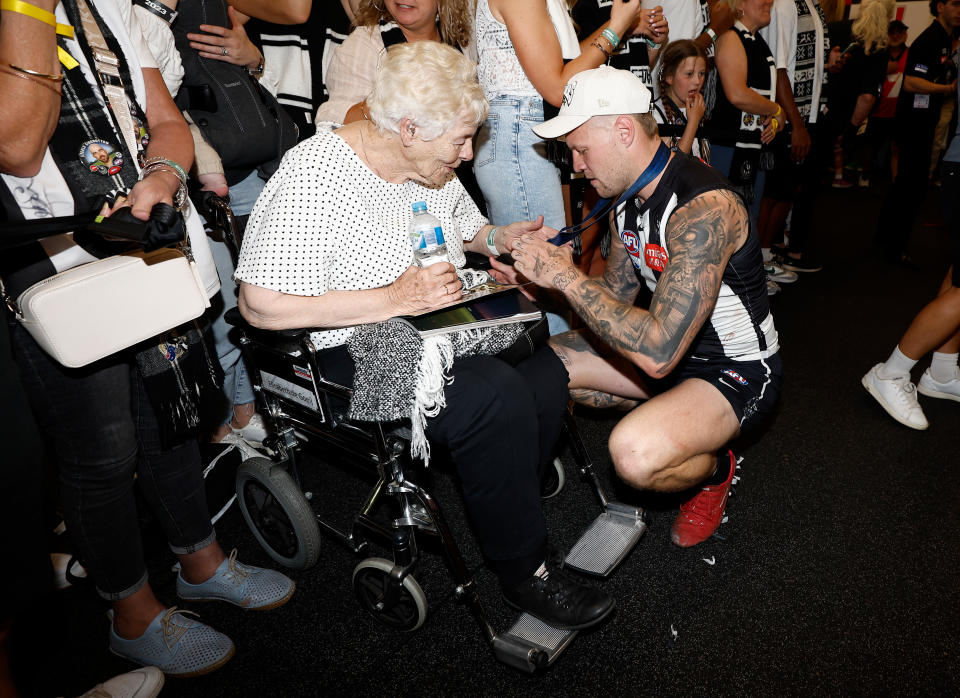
{"x": 419, "y": 206}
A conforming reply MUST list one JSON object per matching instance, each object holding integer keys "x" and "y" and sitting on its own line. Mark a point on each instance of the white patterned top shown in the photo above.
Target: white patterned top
{"x": 326, "y": 222}
{"x": 499, "y": 69}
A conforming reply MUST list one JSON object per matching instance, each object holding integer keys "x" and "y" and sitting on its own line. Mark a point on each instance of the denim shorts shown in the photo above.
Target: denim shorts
{"x": 517, "y": 180}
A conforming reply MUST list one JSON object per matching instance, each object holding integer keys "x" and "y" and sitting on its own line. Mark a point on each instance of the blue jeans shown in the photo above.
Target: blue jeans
{"x": 518, "y": 182}
{"x": 105, "y": 431}
{"x": 236, "y": 382}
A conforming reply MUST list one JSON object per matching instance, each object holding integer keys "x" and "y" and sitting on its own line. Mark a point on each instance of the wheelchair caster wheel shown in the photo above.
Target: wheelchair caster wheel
{"x": 278, "y": 514}
{"x": 399, "y": 608}
{"x": 553, "y": 480}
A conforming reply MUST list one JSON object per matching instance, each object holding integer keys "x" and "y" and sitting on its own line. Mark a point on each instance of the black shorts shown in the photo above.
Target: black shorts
{"x": 751, "y": 387}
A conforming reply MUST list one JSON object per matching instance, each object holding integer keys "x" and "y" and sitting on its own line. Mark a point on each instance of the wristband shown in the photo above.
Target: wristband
{"x": 611, "y": 36}
{"x": 159, "y": 9}
{"x": 712, "y": 34}
{"x": 491, "y": 245}
{"x": 34, "y": 12}
{"x": 604, "y": 51}
{"x": 258, "y": 71}
{"x": 649, "y": 42}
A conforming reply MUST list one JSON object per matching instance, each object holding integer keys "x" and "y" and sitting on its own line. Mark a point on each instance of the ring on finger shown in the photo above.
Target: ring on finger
{"x": 223, "y": 51}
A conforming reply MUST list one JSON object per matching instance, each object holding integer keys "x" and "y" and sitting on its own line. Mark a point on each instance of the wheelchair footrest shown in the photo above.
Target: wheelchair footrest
{"x": 530, "y": 644}
{"x": 607, "y": 541}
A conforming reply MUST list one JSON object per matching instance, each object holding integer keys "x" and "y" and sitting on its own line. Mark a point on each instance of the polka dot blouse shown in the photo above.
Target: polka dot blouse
{"x": 326, "y": 222}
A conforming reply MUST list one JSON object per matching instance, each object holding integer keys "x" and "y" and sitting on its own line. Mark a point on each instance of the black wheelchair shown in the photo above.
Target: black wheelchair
{"x": 300, "y": 405}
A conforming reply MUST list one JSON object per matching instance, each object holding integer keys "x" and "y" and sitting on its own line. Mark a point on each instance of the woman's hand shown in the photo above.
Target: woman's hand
{"x": 771, "y": 127}
{"x": 651, "y": 23}
{"x": 508, "y": 235}
{"x": 157, "y": 187}
{"x": 623, "y": 15}
{"x": 425, "y": 288}
{"x": 696, "y": 108}
{"x": 229, "y": 45}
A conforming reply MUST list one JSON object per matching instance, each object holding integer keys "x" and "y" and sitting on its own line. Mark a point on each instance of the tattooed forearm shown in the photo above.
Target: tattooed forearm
{"x": 701, "y": 237}
{"x": 565, "y": 278}
{"x": 620, "y": 276}
{"x": 601, "y": 400}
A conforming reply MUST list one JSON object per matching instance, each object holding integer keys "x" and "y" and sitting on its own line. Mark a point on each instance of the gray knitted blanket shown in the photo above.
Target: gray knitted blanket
{"x": 400, "y": 375}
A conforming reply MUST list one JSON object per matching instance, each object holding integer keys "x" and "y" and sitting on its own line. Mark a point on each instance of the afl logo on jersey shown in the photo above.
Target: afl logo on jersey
{"x": 655, "y": 256}
{"x": 631, "y": 242}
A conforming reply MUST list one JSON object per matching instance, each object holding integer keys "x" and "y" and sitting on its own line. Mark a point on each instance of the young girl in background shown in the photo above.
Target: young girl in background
{"x": 680, "y": 107}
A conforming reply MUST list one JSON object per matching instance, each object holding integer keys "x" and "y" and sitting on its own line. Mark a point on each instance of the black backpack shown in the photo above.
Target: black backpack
{"x": 241, "y": 120}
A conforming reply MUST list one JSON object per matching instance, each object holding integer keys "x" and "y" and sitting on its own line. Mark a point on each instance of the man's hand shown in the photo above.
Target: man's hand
{"x": 544, "y": 264}
{"x": 799, "y": 143}
{"x": 420, "y": 289}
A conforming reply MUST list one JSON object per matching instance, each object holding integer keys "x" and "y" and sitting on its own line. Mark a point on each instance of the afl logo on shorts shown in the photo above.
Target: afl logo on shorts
{"x": 736, "y": 376}
{"x": 655, "y": 256}
{"x": 631, "y": 242}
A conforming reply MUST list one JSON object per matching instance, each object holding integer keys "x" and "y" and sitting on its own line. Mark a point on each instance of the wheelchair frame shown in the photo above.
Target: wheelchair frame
{"x": 295, "y": 397}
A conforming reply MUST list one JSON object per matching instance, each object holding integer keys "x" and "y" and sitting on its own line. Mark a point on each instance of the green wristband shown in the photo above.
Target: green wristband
{"x": 491, "y": 245}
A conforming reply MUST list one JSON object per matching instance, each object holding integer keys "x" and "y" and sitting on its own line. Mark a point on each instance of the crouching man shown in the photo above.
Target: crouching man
{"x": 708, "y": 337}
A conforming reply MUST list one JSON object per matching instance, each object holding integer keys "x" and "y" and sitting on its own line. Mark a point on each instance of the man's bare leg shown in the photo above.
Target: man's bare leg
{"x": 670, "y": 442}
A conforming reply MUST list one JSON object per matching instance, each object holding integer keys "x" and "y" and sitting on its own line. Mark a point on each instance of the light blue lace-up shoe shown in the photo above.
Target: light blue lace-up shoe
{"x": 175, "y": 644}
{"x": 249, "y": 587}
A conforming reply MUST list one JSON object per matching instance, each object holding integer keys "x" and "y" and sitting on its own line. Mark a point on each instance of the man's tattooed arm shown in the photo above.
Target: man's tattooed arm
{"x": 701, "y": 237}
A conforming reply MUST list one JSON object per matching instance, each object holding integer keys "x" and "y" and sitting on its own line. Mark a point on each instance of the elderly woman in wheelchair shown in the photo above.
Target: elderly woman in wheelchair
{"x": 327, "y": 247}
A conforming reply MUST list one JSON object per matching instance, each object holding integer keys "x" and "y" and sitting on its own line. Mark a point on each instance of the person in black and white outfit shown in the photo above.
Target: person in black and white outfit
{"x": 708, "y": 339}
{"x": 327, "y": 246}
{"x": 100, "y": 418}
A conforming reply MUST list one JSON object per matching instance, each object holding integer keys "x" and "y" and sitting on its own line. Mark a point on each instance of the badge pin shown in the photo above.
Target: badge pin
{"x": 102, "y": 157}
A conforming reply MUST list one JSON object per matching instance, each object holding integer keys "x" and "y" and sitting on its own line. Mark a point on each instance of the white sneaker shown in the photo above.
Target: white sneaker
{"x": 777, "y": 273}
{"x": 255, "y": 430}
{"x": 933, "y": 388}
{"x": 898, "y": 396}
{"x": 144, "y": 682}
{"x": 773, "y": 288}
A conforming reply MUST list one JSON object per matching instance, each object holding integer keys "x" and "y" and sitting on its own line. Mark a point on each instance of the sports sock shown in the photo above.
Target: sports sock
{"x": 722, "y": 472}
{"x": 943, "y": 368}
{"x": 897, "y": 365}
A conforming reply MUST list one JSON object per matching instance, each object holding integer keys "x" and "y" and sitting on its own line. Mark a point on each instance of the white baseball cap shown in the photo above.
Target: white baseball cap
{"x": 596, "y": 92}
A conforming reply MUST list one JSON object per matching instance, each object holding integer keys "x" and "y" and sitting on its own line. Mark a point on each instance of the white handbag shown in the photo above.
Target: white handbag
{"x": 96, "y": 309}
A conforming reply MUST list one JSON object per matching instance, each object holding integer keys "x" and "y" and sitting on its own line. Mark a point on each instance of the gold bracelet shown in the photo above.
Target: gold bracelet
{"x": 36, "y": 74}
{"x": 53, "y": 88}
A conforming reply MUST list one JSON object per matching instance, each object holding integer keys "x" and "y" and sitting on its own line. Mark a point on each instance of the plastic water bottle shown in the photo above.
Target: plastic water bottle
{"x": 426, "y": 237}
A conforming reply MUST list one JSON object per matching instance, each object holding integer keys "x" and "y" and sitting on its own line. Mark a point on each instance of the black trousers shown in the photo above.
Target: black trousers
{"x": 901, "y": 206}
{"x": 500, "y": 425}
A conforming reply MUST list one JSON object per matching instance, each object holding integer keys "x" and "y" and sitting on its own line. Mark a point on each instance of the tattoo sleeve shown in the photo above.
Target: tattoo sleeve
{"x": 701, "y": 237}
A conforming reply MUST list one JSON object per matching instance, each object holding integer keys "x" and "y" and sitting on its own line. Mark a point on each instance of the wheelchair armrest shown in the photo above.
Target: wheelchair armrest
{"x": 280, "y": 338}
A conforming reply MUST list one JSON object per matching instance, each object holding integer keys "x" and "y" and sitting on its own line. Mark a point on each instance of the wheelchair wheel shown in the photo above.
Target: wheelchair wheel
{"x": 373, "y": 587}
{"x": 553, "y": 480}
{"x": 278, "y": 514}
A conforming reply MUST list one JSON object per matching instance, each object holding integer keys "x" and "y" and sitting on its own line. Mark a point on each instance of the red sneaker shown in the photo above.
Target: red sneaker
{"x": 701, "y": 514}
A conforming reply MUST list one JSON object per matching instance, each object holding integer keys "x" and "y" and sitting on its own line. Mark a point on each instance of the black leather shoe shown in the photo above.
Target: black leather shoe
{"x": 560, "y": 601}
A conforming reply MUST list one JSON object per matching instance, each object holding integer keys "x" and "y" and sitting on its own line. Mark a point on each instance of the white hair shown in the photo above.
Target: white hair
{"x": 871, "y": 25}
{"x": 428, "y": 82}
